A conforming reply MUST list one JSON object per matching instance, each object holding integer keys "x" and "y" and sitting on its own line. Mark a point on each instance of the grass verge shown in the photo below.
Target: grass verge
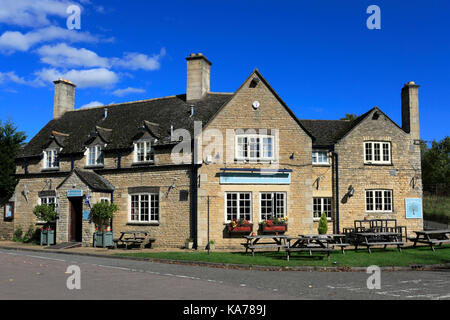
{"x": 360, "y": 258}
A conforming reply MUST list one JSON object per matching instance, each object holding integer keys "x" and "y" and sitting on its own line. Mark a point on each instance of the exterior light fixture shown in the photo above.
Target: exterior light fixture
{"x": 351, "y": 191}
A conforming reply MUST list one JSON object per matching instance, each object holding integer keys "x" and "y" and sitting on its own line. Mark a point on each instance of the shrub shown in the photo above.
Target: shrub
{"x": 323, "y": 224}
{"x": 45, "y": 213}
{"x": 18, "y": 235}
{"x": 102, "y": 213}
{"x": 32, "y": 235}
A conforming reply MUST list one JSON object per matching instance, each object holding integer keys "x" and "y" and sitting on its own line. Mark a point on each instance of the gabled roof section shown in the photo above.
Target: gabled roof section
{"x": 94, "y": 181}
{"x": 124, "y": 120}
{"x": 258, "y": 74}
{"x": 329, "y": 132}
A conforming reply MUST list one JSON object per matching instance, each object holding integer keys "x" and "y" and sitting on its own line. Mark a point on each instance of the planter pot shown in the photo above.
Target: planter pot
{"x": 103, "y": 239}
{"x": 212, "y": 247}
{"x": 189, "y": 245}
{"x": 244, "y": 229}
{"x": 280, "y": 228}
{"x": 47, "y": 237}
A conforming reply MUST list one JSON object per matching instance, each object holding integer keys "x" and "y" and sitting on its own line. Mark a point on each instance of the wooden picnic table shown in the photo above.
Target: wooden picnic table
{"x": 253, "y": 242}
{"x": 336, "y": 240}
{"x": 432, "y": 237}
{"x": 309, "y": 243}
{"x": 133, "y": 237}
{"x": 385, "y": 239}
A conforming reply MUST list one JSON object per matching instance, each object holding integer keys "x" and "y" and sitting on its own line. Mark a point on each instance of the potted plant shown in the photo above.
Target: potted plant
{"x": 240, "y": 226}
{"x": 101, "y": 215}
{"x": 323, "y": 224}
{"x": 275, "y": 225}
{"x": 212, "y": 245}
{"x": 46, "y": 213}
{"x": 189, "y": 243}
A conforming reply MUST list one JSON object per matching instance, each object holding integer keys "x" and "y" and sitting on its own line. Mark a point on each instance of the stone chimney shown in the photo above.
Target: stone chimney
{"x": 64, "y": 97}
{"x": 410, "y": 110}
{"x": 198, "y": 76}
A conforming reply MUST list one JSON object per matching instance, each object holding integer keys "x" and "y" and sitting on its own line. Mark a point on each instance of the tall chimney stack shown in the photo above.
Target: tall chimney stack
{"x": 64, "y": 97}
{"x": 410, "y": 110}
{"x": 198, "y": 76}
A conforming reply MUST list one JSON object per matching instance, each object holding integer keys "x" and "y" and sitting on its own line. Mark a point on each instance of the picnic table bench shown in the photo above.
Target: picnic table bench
{"x": 309, "y": 243}
{"x": 370, "y": 239}
{"x": 253, "y": 242}
{"x": 432, "y": 237}
{"x": 135, "y": 237}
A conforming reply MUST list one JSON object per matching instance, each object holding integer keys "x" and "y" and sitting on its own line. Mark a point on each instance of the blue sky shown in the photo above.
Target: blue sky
{"x": 318, "y": 55}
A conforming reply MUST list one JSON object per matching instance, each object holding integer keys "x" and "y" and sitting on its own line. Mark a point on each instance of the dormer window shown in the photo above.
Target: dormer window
{"x": 51, "y": 159}
{"x": 95, "y": 156}
{"x": 143, "y": 152}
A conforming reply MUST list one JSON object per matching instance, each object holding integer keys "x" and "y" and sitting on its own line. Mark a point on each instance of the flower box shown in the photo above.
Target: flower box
{"x": 274, "y": 228}
{"x": 47, "y": 237}
{"x": 103, "y": 239}
{"x": 240, "y": 229}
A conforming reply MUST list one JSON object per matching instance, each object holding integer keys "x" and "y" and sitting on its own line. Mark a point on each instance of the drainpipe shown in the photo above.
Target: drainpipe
{"x": 336, "y": 163}
{"x": 194, "y": 185}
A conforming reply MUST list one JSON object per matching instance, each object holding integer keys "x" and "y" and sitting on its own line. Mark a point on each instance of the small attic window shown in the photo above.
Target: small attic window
{"x": 254, "y": 82}
{"x": 375, "y": 115}
{"x": 51, "y": 159}
{"x": 143, "y": 152}
{"x": 95, "y": 156}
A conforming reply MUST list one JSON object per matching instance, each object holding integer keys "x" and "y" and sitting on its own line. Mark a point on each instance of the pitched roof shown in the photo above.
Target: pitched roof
{"x": 93, "y": 180}
{"x": 325, "y": 132}
{"x": 124, "y": 121}
{"x": 328, "y": 132}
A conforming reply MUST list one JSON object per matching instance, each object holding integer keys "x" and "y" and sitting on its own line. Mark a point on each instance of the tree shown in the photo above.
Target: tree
{"x": 102, "y": 213}
{"x": 436, "y": 164}
{"x": 349, "y": 116}
{"x": 10, "y": 142}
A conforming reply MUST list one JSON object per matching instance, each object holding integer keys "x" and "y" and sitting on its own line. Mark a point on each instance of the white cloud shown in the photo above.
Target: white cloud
{"x": 11, "y": 41}
{"x": 129, "y": 90}
{"x": 62, "y": 55}
{"x": 31, "y": 13}
{"x": 98, "y": 77}
{"x": 92, "y": 104}
{"x": 136, "y": 61}
{"x": 14, "y": 78}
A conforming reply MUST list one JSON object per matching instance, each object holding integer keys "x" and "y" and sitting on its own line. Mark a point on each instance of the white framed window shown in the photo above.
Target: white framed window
{"x": 255, "y": 147}
{"x": 379, "y": 201}
{"x": 320, "y": 157}
{"x": 238, "y": 205}
{"x": 143, "y": 152}
{"x": 144, "y": 207}
{"x": 95, "y": 156}
{"x": 50, "y": 201}
{"x": 51, "y": 159}
{"x": 273, "y": 205}
{"x": 377, "y": 152}
{"x": 322, "y": 205}
{"x": 104, "y": 200}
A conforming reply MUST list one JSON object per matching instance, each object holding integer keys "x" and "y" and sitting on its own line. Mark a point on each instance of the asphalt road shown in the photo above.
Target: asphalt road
{"x": 35, "y": 275}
